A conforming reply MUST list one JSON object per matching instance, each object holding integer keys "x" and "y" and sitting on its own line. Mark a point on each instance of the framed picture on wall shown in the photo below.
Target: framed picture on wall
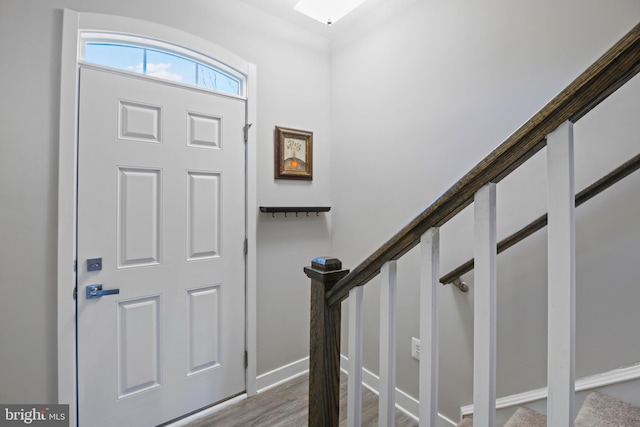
{"x": 293, "y": 154}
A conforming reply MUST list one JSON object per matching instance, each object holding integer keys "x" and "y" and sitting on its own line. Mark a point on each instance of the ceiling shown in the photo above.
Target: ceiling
{"x": 283, "y": 9}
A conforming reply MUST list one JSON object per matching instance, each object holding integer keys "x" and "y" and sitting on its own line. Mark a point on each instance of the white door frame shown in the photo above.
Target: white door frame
{"x": 73, "y": 23}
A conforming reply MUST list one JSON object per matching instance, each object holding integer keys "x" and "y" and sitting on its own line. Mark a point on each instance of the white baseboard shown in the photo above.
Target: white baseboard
{"x": 282, "y": 374}
{"x": 410, "y": 405}
{"x": 264, "y": 382}
{"x": 405, "y": 403}
{"x": 615, "y": 376}
{"x": 268, "y": 380}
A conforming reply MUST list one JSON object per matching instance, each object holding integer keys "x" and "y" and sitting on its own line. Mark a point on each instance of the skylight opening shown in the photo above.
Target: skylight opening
{"x": 327, "y": 11}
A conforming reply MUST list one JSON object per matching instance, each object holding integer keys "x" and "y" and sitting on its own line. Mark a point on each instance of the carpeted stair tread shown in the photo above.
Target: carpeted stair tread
{"x": 599, "y": 410}
{"x": 525, "y": 417}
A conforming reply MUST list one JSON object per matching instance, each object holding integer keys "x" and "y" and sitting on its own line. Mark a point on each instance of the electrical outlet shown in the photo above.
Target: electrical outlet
{"x": 415, "y": 348}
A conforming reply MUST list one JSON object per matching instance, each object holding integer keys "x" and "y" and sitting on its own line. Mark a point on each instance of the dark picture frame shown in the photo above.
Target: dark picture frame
{"x": 293, "y": 154}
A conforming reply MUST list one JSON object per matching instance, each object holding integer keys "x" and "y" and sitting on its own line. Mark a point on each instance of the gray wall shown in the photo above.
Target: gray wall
{"x": 401, "y": 106}
{"x": 294, "y": 96}
{"x": 421, "y": 93}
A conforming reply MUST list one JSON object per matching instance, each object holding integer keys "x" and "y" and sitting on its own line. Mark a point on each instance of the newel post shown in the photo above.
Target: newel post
{"x": 324, "y": 348}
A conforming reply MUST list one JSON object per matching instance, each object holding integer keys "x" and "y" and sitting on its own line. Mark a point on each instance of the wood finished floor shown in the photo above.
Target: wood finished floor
{"x": 287, "y": 405}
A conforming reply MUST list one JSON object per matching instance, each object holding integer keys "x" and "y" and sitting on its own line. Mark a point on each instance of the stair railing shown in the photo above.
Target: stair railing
{"x": 624, "y": 170}
{"x": 552, "y": 127}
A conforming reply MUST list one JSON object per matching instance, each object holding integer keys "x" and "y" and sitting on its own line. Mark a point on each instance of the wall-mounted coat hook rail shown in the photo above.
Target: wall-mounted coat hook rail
{"x": 273, "y": 210}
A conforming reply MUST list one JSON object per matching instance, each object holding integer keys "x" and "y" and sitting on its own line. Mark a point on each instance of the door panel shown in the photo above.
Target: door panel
{"x": 161, "y": 201}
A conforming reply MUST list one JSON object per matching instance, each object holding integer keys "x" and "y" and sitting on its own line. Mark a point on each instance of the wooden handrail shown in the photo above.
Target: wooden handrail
{"x": 612, "y": 70}
{"x": 588, "y": 193}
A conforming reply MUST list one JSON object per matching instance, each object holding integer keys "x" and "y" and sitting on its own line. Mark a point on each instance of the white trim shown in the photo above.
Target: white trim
{"x": 282, "y": 374}
{"x": 134, "y": 75}
{"x": 73, "y": 23}
{"x": 67, "y": 179}
{"x": 252, "y": 233}
{"x": 445, "y": 422}
{"x": 404, "y": 402}
{"x": 615, "y": 376}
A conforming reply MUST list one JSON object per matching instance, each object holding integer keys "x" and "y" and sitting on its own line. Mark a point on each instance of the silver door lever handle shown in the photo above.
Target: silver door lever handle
{"x": 95, "y": 291}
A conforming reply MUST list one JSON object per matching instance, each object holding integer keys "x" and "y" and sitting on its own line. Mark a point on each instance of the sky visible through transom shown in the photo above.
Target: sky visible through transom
{"x": 161, "y": 65}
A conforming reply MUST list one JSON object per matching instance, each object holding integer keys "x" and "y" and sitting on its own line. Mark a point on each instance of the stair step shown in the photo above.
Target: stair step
{"x": 525, "y": 417}
{"x": 597, "y": 410}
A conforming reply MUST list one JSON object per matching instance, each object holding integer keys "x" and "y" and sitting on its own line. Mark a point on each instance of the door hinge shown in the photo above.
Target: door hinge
{"x": 75, "y": 293}
{"x": 246, "y": 246}
{"x": 246, "y": 359}
{"x": 246, "y": 132}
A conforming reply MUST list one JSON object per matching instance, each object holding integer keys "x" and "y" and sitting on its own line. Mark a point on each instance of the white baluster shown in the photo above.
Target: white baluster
{"x": 561, "y": 281}
{"x": 484, "y": 308}
{"x": 387, "y": 402}
{"x": 429, "y": 289}
{"x": 354, "y": 383}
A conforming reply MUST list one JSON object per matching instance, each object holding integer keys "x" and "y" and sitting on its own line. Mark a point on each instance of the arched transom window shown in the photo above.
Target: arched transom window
{"x": 161, "y": 60}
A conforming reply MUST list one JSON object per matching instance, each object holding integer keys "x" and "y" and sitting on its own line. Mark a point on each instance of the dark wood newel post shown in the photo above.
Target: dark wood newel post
{"x": 324, "y": 348}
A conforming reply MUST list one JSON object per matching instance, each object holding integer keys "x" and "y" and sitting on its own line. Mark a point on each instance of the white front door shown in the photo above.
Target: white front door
{"x": 161, "y": 219}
